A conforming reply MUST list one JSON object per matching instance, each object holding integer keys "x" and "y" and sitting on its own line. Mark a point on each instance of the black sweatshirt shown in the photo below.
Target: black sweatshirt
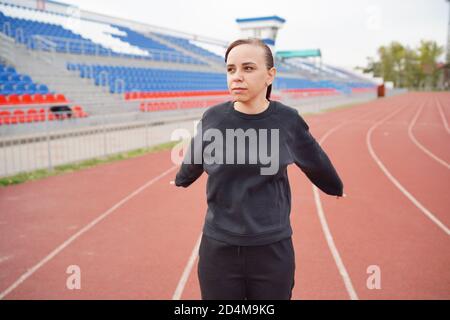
{"x": 245, "y": 206}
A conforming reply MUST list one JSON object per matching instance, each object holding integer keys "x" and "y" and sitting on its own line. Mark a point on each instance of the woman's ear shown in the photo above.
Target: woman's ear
{"x": 272, "y": 72}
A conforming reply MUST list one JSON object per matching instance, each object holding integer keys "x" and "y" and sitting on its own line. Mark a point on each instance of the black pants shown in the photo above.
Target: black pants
{"x": 232, "y": 272}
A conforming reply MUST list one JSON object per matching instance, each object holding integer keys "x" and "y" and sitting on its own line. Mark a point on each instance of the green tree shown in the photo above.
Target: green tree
{"x": 406, "y": 67}
{"x": 429, "y": 52}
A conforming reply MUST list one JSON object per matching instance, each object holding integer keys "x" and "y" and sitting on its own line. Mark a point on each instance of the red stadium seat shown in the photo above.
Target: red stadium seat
{"x": 38, "y": 98}
{"x": 14, "y": 99}
{"x": 42, "y": 114}
{"x": 13, "y": 118}
{"x": 5, "y": 117}
{"x": 79, "y": 112}
{"x": 27, "y": 99}
{"x": 3, "y": 100}
{"x": 32, "y": 116}
{"x": 20, "y": 114}
{"x": 51, "y": 116}
{"x": 49, "y": 98}
{"x": 61, "y": 98}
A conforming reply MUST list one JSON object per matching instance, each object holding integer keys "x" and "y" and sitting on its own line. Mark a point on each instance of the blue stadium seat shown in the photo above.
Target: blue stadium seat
{"x": 147, "y": 79}
{"x": 12, "y": 82}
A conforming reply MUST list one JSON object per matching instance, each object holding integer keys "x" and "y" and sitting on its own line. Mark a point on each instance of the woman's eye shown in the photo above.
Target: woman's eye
{"x": 245, "y": 68}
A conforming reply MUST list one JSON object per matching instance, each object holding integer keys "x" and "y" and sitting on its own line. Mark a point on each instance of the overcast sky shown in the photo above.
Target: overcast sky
{"x": 347, "y": 31}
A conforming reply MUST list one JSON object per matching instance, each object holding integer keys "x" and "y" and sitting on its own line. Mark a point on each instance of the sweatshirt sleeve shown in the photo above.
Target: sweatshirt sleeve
{"x": 313, "y": 161}
{"x": 192, "y": 166}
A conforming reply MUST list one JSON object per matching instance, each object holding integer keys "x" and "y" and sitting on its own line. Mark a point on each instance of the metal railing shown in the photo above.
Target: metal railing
{"x": 53, "y": 141}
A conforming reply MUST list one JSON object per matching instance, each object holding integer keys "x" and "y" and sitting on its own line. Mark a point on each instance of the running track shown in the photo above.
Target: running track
{"x": 134, "y": 235}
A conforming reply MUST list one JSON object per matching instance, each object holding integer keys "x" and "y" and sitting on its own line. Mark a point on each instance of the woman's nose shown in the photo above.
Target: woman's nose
{"x": 237, "y": 77}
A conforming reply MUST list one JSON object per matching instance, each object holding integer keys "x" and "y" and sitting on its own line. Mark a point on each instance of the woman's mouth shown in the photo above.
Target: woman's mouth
{"x": 238, "y": 90}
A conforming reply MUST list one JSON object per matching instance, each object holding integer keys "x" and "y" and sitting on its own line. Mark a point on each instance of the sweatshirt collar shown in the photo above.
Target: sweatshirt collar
{"x": 260, "y": 115}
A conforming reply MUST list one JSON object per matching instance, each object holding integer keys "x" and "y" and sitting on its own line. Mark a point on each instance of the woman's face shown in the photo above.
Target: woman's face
{"x": 246, "y": 69}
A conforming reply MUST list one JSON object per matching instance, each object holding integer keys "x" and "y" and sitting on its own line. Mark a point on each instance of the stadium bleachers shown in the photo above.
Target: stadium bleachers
{"x": 33, "y": 115}
{"x": 26, "y": 31}
{"x": 150, "y": 79}
{"x": 143, "y": 83}
{"x": 43, "y": 30}
{"x": 157, "y": 51}
{"x": 13, "y": 83}
{"x": 40, "y": 30}
{"x": 20, "y": 89}
{"x": 24, "y": 101}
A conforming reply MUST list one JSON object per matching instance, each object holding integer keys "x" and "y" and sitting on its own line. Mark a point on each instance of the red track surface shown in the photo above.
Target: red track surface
{"x": 136, "y": 245}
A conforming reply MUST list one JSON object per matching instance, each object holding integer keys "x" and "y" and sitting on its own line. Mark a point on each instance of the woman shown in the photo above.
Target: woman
{"x": 246, "y": 249}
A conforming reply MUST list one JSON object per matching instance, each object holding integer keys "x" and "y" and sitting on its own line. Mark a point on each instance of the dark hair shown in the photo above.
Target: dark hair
{"x": 267, "y": 54}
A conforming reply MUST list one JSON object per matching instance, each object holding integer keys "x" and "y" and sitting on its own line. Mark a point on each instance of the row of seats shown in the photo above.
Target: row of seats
{"x": 15, "y": 99}
{"x": 306, "y": 93}
{"x": 143, "y": 83}
{"x": 12, "y": 82}
{"x": 89, "y": 38}
{"x": 361, "y": 85}
{"x": 93, "y": 70}
{"x": 20, "y": 116}
{"x": 24, "y": 24}
{"x": 310, "y": 90}
{"x": 172, "y": 94}
{"x": 132, "y": 79}
{"x": 172, "y": 105}
{"x": 22, "y": 88}
{"x": 7, "y": 69}
{"x": 23, "y": 30}
{"x": 364, "y": 89}
{"x": 157, "y": 50}
{"x": 8, "y": 77}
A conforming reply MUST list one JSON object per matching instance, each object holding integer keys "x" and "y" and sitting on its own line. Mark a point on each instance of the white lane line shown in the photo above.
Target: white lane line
{"x": 334, "y": 251}
{"x": 422, "y": 147}
{"x": 187, "y": 271}
{"x": 383, "y": 168}
{"x": 326, "y": 230}
{"x": 324, "y": 224}
{"x": 89, "y": 226}
{"x": 444, "y": 119}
